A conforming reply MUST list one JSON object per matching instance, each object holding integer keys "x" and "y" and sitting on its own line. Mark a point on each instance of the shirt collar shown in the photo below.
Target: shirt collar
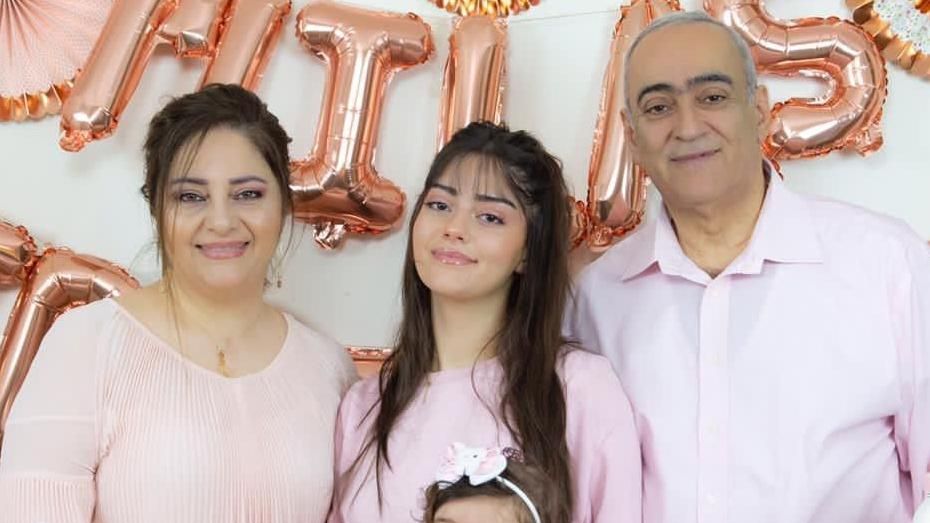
{"x": 783, "y": 234}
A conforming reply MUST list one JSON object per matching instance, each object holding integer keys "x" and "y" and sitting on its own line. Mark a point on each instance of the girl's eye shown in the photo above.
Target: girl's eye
{"x": 249, "y": 194}
{"x": 190, "y": 197}
{"x": 437, "y": 206}
{"x": 491, "y": 218}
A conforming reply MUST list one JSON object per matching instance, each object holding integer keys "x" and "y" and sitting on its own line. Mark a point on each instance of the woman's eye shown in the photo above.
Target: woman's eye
{"x": 190, "y": 197}
{"x": 437, "y": 206}
{"x": 249, "y": 194}
{"x": 491, "y": 218}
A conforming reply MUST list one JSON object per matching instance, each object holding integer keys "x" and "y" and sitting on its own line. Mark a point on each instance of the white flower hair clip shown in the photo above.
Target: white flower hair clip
{"x": 481, "y": 465}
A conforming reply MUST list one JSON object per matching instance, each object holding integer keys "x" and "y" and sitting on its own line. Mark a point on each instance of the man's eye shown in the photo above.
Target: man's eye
{"x": 657, "y": 109}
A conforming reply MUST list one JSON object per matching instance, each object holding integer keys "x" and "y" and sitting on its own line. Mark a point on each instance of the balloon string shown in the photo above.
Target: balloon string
{"x": 615, "y": 12}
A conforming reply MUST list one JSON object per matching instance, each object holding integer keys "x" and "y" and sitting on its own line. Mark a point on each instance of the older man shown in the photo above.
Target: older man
{"x": 775, "y": 346}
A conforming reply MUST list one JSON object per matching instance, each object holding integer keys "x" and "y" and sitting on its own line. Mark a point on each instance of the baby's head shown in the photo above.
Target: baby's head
{"x": 484, "y": 486}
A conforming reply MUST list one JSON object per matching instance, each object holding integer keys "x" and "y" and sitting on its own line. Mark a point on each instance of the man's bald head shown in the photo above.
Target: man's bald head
{"x": 692, "y": 17}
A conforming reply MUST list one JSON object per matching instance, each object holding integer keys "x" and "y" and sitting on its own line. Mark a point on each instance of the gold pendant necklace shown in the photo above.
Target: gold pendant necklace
{"x": 222, "y": 361}
{"x": 222, "y": 366}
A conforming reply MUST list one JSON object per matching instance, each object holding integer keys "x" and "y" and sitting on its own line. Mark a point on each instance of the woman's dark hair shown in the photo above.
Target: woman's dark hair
{"x": 542, "y": 493}
{"x": 175, "y": 134}
{"x": 529, "y": 343}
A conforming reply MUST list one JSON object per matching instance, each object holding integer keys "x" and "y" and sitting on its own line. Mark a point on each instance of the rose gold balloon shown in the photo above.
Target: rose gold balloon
{"x": 247, "y": 43}
{"x": 830, "y": 49}
{"x": 473, "y": 79}
{"x": 193, "y": 27}
{"x": 337, "y": 189}
{"x": 60, "y": 280}
{"x": 237, "y": 34}
{"x": 616, "y": 186}
{"x": 17, "y": 254}
{"x": 580, "y": 221}
{"x": 105, "y": 84}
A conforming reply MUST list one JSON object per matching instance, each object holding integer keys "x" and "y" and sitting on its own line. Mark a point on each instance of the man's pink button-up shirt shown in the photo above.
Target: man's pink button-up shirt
{"x": 792, "y": 388}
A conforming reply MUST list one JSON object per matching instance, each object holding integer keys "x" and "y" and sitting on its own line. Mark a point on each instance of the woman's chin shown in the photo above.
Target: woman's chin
{"x": 220, "y": 283}
{"x": 455, "y": 293}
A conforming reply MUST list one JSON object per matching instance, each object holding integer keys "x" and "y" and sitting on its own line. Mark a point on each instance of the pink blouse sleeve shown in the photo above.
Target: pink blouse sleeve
{"x": 49, "y": 451}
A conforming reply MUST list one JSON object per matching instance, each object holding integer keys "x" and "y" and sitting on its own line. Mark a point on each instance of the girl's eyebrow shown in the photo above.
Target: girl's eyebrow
{"x": 480, "y": 197}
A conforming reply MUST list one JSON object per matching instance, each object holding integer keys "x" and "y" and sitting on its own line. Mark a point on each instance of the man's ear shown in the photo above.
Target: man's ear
{"x": 629, "y": 133}
{"x": 763, "y": 112}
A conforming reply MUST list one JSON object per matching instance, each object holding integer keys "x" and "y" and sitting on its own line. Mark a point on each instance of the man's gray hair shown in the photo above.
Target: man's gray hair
{"x": 693, "y": 17}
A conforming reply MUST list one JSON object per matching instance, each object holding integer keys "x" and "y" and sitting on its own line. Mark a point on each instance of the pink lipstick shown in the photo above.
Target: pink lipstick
{"x": 223, "y": 250}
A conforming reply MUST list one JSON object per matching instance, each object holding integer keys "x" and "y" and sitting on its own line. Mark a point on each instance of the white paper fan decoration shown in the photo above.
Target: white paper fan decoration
{"x": 42, "y": 45}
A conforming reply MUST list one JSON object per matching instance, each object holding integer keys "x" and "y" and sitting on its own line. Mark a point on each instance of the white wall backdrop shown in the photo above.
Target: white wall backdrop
{"x": 90, "y": 201}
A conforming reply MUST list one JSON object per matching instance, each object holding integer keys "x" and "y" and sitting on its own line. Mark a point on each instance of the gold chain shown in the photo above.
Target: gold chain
{"x": 221, "y": 358}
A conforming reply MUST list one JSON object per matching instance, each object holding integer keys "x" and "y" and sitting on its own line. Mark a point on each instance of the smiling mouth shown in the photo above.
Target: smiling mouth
{"x": 450, "y": 257}
{"x": 695, "y": 156}
{"x": 223, "y": 250}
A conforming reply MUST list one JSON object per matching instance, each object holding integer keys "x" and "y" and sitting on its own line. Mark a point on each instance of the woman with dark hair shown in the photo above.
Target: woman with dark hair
{"x": 479, "y": 356}
{"x": 191, "y": 399}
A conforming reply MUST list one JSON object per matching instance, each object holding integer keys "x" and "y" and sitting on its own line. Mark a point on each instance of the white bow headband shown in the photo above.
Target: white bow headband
{"x": 480, "y": 465}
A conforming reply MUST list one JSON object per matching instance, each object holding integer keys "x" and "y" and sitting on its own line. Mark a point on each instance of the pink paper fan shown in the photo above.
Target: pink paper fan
{"x": 44, "y": 42}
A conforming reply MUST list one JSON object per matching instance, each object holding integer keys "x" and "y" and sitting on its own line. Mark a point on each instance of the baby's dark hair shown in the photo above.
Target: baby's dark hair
{"x": 529, "y": 479}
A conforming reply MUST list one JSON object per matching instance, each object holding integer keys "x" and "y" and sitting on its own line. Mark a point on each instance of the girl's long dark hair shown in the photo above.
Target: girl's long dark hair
{"x": 529, "y": 343}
